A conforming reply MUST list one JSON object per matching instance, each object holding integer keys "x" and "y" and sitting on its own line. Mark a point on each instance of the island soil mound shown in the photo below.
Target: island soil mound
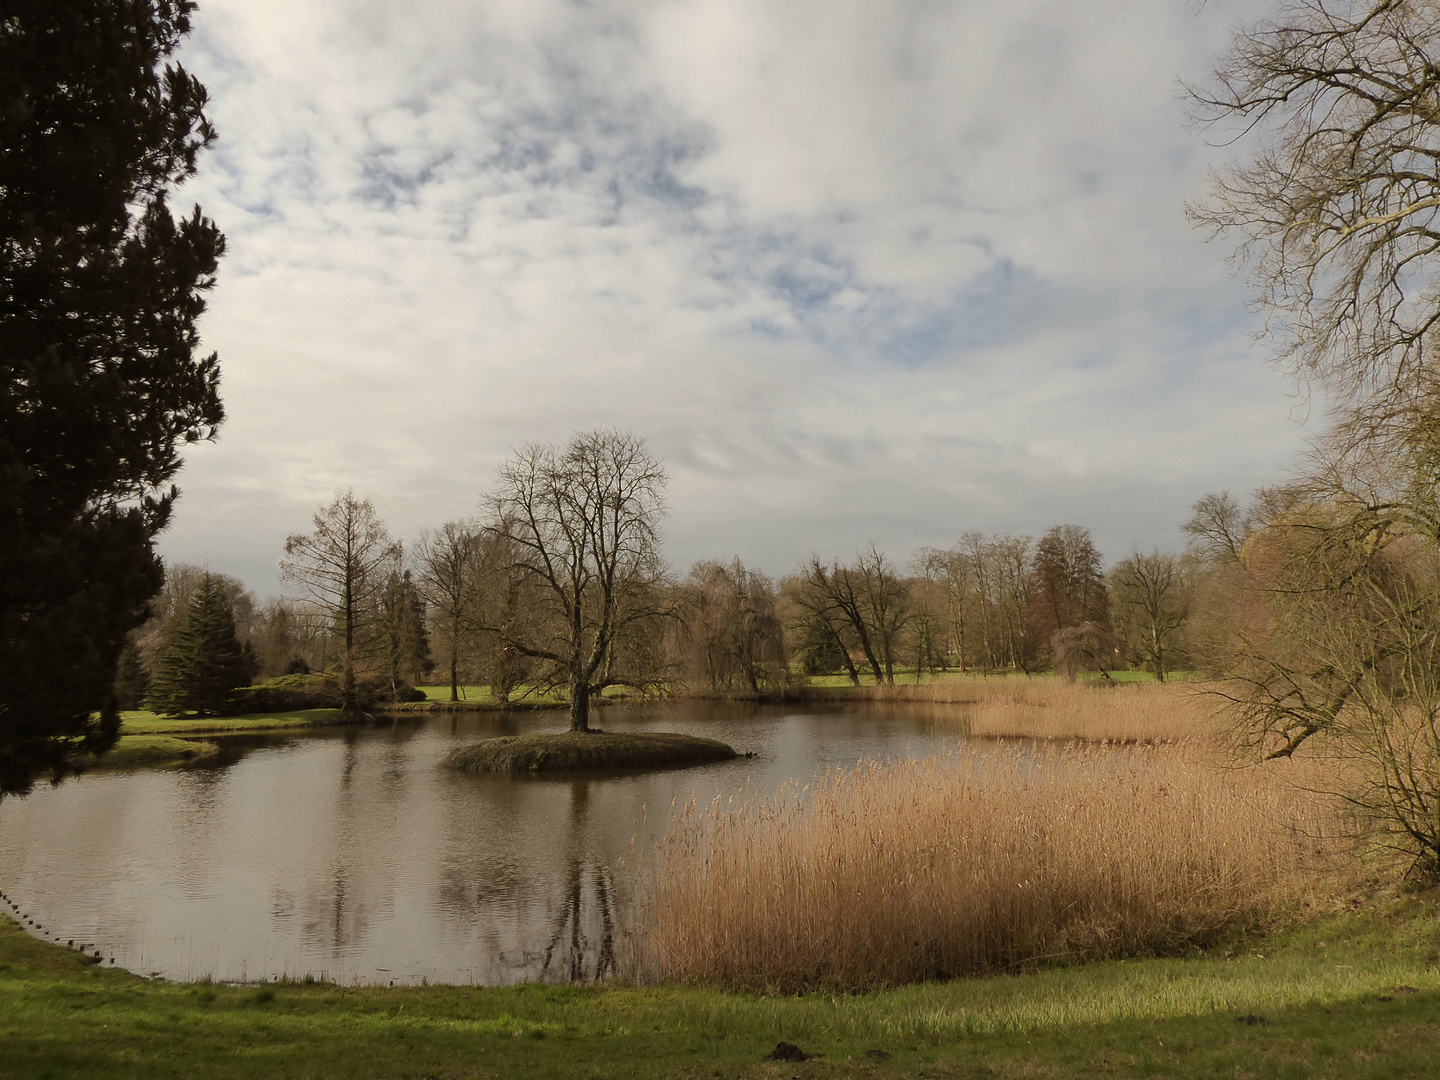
{"x": 574, "y": 751}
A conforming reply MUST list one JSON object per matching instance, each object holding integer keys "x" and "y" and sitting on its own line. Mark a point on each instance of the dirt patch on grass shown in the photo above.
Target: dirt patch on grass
{"x": 581, "y": 751}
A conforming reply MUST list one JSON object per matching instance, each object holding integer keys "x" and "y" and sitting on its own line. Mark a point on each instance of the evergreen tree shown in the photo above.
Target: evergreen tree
{"x": 205, "y": 663}
{"x": 407, "y": 644}
{"x": 132, "y": 681}
{"x": 100, "y": 289}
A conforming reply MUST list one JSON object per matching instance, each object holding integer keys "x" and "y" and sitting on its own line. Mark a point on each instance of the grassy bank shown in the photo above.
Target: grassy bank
{"x": 573, "y": 751}
{"x": 136, "y": 750}
{"x": 1352, "y": 994}
{"x": 149, "y": 723}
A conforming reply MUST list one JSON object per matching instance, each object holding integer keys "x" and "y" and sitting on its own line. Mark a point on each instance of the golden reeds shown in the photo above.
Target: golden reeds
{"x": 985, "y": 859}
{"x": 1047, "y": 708}
{"x": 1051, "y": 709}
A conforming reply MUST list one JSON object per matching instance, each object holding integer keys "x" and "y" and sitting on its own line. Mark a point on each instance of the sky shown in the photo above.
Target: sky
{"x": 859, "y": 270}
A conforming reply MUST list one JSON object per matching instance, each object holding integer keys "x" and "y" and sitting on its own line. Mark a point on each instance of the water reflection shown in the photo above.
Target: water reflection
{"x": 351, "y": 854}
{"x": 570, "y": 946}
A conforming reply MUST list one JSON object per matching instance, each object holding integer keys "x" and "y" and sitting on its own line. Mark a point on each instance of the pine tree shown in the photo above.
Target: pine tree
{"x": 132, "y": 681}
{"x": 205, "y": 662}
{"x": 101, "y": 380}
{"x": 407, "y": 644}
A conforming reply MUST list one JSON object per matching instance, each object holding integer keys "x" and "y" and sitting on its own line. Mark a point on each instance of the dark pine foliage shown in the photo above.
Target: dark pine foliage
{"x": 100, "y": 385}
{"x": 198, "y": 674}
{"x": 132, "y": 681}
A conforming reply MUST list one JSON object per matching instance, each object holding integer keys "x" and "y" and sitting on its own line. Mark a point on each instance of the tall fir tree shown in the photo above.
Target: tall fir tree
{"x": 101, "y": 381}
{"x": 205, "y": 662}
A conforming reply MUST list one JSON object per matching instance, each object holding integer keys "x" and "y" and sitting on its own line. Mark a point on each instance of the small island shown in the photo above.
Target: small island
{"x": 577, "y": 751}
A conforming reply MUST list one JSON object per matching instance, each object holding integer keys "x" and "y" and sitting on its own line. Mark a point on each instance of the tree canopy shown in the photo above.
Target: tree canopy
{"x": 101, "y": 287}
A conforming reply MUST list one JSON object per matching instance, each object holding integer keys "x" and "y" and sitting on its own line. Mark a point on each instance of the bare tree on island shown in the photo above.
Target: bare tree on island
{"x": 583, "y": 523}
{"x": 340, "y": 567}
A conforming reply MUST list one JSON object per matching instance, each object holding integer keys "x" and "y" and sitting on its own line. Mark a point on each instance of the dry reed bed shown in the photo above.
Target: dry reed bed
{"x": 982, "y": 860}
{"x": 1045, "y": 708}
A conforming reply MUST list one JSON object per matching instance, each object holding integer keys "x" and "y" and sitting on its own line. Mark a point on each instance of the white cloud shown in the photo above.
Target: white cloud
{"x": 858, "y": 269}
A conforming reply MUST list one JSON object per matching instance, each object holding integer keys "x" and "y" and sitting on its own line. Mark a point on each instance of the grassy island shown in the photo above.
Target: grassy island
{"x": 574, "y": 751}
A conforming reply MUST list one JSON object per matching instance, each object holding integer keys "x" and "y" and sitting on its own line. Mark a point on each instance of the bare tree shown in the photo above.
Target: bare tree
{"x": 886, "y": 602}
{"x": 930, "y": 597}
{"x": 342, "y": 567}
{"x": 583, "y": 522}
{"x": 1338, "y": 208}
{"x": 974, "y": 551}
{"x": 1152, "y": 595}
{"x": 1009, "y": 558}
{"x": 1333, "y": 635}
{"x": 448, "y": 562}
{"x": 732, "y": 627}
{"x": 863, "y": 603}
{"x": 1218, "y": 528}
{"x": 820, "y": 631}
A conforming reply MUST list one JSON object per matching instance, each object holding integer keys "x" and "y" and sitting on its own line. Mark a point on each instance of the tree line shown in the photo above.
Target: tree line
{"x": 558, "y": 585}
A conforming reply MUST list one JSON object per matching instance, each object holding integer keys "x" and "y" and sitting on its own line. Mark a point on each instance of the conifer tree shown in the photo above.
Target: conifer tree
{"x": 205, "y": 662}
{"x": 101, "y": 377}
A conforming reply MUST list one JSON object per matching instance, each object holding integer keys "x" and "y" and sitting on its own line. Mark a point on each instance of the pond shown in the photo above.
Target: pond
{"x": 350, "y": 854}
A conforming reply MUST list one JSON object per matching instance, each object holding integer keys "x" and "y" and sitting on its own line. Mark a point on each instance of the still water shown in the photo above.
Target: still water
{"x": 350, "y": 854}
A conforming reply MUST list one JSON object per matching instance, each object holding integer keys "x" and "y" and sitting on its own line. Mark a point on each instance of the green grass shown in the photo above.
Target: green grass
{"x": 134, "y": 750}
{"x": 148, "y": 723}
{"x": 467, "y": 693}
{"x": 1324, "y": 1000}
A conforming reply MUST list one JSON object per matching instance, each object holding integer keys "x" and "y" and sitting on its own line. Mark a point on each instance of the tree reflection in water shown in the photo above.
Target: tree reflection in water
{"x": 575, "y": 956}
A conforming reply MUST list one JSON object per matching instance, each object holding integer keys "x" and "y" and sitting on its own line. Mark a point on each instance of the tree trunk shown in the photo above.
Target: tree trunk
{"x": 347, "y": 682}
{"x": 579, "y": 705}
{"x": 454, "y": 677}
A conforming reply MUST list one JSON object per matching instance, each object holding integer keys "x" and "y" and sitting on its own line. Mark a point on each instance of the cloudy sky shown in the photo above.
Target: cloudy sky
{"x": 859, "y": 270}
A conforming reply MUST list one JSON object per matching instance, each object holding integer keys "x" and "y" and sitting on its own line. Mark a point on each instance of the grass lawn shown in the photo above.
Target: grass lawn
{"x": 467, "y": 693}
{"x": 1354, "y": 994}
{"x": 148, "y": 723}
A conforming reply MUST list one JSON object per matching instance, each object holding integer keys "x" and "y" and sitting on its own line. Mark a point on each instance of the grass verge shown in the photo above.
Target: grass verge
{"x": 148, "y": 723}
{"x": 1350, "y": 993}
{"x": 136, "y": 750}
{"x": 576, "y": 751}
